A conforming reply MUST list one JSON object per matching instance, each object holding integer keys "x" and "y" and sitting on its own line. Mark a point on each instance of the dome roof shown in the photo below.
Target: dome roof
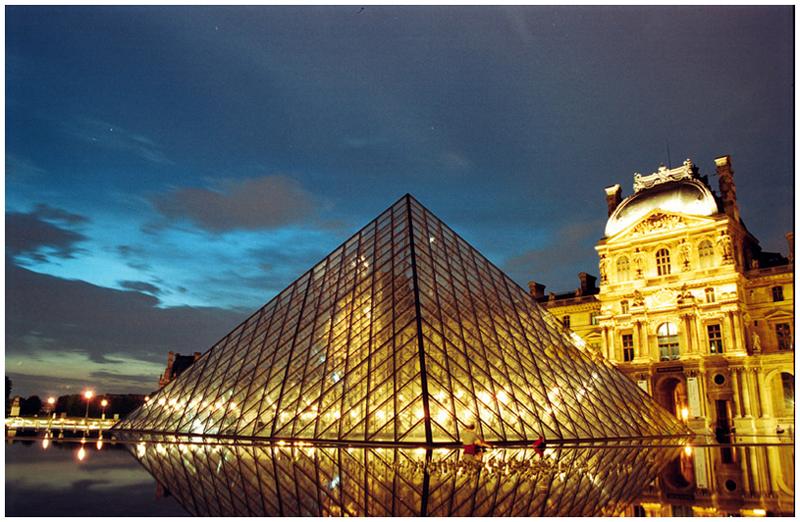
{"x": 685, "y": 196}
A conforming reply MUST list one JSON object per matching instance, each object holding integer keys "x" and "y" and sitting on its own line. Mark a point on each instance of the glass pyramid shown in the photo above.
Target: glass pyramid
{"x": 595, "y": 479}
{"x": 404, "y": 334}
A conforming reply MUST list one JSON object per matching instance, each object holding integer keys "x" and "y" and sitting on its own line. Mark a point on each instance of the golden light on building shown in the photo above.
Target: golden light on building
{"x": 688, "y": 304}
{"x": 693, "y": 311}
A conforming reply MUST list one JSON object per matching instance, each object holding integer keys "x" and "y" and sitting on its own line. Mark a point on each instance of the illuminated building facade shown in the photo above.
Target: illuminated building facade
{"x": 694, "y": 312}
{"x": 402, "y": 335}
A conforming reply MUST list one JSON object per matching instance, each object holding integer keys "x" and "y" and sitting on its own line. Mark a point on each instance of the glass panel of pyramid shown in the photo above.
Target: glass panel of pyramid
{"x": 403, "y": 334}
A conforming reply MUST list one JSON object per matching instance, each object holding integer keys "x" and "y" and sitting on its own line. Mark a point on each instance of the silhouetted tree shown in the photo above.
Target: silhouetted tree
{"x": 8, "y": 394}
{"x": 30, "y": 406}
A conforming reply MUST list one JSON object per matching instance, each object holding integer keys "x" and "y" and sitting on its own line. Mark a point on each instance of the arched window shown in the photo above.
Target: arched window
{"x": 662, "y": 262}
{"x": 706, "y": 252}
{"x": 623, "y": 269}
{"x": 668, "y": 347}
{"x": 787, "y": 385}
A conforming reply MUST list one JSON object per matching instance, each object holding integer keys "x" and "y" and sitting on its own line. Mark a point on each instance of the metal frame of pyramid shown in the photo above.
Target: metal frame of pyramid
{"x": 402, "y": 335}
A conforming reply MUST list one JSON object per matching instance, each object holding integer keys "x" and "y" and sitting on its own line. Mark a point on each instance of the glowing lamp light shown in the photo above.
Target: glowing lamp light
{"x": 685, "y": 414}
{"x": 81, "y": 453}
{"x": 104, "y": 403}
{"x": 758, "y": 512}
{"x": 51, "y": 400}
{"x": 88, "y": 394}
{"x": 687, "y": 450}
{"x": 99, "y": 444}
{"x": 45, "y": 442}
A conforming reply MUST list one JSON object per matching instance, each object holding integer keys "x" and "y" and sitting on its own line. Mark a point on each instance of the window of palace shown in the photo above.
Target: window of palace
{"x": 565, "y": 321}
{"x": 668, "y": 346}
{"x": 593, "y": 318}
{"x": 777, "y": 293}
{"x": 623, "y": 269}
{"x": 662, "y": 262}
{"x": 787, "y": 383}
{"x": 706, "y": 253}
{"x": 714, "y": 338}
{"x": 710, "y": 295}
{"x": 624, "y": 305}
{"x": 783, "y": 331}
{"x": 627, "y": 347}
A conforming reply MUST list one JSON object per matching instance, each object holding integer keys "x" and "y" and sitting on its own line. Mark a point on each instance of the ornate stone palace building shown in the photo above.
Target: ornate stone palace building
{"x": 688, "y": 304}
{"x": 691, "y": 309}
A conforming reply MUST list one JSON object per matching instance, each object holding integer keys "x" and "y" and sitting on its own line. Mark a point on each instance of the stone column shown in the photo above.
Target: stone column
{"x": 755, "y": 403}
{"x": 739, "y": 333}
{"x": 701, "y": 381}
{"x": 747, "y": 476}
{"x": 736, "y": 395}
{"x": 746, "y": 393}
{"x": 729, "y": 339}
{"x": 687, "y": 328}
{"x": 612, "y": 345}
{"x": 764, "y": 395}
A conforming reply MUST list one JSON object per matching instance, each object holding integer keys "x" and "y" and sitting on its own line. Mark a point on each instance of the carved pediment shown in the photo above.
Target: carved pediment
{"x": 658, "y": 222}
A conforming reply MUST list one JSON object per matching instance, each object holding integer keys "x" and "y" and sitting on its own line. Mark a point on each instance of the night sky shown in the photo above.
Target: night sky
{"x": 169, "y": 170}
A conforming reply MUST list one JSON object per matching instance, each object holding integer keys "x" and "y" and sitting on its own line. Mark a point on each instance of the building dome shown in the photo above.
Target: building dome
{"x": 662, "y": 191}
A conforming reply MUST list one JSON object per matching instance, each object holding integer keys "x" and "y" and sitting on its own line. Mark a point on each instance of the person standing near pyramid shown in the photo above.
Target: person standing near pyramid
{"x": 474, "y": 446}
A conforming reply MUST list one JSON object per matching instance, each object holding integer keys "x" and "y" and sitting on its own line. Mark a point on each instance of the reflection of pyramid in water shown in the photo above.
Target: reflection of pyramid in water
{"x": 399, "y": 332}
{"x": 269, "y": 480}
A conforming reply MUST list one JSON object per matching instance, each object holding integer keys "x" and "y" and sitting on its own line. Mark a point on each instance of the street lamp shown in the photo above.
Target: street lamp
{"x": 104, "y": 403}
{"x": 88, "y": 394}
{"x": 52, "y": 402}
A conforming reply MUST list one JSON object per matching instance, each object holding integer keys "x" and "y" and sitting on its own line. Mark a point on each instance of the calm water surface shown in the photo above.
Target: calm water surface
{"x": 54, "y": 482}
{"x": 169, "y": 476}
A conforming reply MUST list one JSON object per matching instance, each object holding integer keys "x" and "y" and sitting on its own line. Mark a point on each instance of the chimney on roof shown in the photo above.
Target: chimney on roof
{"x": 790, "y": 240}
{"x": 613, "y": 197}
{"x": 727, "y": 188}
{"x": 537, "y": 289}
{"x": 588, "y": 285}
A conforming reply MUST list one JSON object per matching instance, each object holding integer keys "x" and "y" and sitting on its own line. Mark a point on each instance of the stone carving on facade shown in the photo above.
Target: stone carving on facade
{"x": 638, "y": 263}
{"x": 684, "y": 250}
{"x": 725, "y": 246}
{"x": 756, "y": 343}
{"x": 658, "y": 222}
{"x": 663, "y": 175}
{"x": 663, "y": 297}
{"x": 637, "y": 298}
{"x": 603, "y": 269}
{"x": 684, "y": 295}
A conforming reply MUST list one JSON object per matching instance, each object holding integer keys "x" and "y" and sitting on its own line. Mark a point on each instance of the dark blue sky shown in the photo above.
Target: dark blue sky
{"x": 168, "y": 170}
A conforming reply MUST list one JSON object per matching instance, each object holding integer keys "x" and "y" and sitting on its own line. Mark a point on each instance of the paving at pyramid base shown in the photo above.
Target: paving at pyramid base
{"x": 407, "y": 335}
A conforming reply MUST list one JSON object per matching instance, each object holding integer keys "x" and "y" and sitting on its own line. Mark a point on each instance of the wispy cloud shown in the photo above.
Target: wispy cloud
{"x": 111, "y": 136}
{"x": 555, "y": 264}
{"x": 18, "y": 169}
{"x": 250, "y": 204}
{"x": 44, "y": 232}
